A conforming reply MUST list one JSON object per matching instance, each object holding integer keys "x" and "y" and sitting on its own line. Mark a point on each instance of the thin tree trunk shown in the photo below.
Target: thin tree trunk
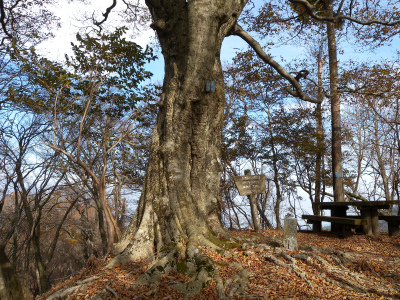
{"x": 40, "y": 265}
{"x": 102, "y": 225}
{"x": 320, "y": 141}
{"x": 235, "y": 213}
{"x": 34, "y": 227}
{"x": 109, "y": 224}
{"x": 277, "y": 184}
{"x": 266, "y": 224}
{"x": 338, "y": 190}
{"x": 381, "y": 163}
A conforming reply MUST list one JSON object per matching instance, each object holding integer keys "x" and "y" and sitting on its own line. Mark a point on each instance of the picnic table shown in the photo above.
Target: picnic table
{"x": 369, "y": 219}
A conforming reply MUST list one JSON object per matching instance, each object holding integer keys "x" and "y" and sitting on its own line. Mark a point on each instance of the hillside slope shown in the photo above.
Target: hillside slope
{"x": 325, "y": 267}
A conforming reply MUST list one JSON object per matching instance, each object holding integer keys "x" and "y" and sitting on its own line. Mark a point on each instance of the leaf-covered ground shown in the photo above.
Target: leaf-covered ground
{"x": 325, "y": 267}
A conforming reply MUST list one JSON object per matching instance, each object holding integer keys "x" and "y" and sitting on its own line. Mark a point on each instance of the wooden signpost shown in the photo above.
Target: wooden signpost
{"x": 249, "y": 185}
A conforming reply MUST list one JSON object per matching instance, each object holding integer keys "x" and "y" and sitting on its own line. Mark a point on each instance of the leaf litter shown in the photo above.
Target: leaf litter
{"x": 326, "y": 266}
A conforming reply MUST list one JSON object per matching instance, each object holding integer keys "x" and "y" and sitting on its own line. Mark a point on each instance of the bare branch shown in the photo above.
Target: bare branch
{"x": 106, "y": 14}
{"x": 313, "y": 82}
{"x": 310, "y": 10}
{"x": 124, "y": 134}
{"x": 87, "y": 108}
{"x": 237, "y": 30}
{"x": 350, "y": 195}
{"x": 3, "y": 19}
{"x": 340, "y": 7}
{"x": 60, "y": 226}
{"x": 76, "y": 161}
{"x": 359, "y": 91}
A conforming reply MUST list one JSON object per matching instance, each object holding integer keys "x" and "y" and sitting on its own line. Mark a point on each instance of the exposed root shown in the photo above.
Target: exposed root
{"x": 139, "y": 246}
{"x": 200, "y": 269}
{"x": 319, "y": 272}
{"x": 292, "y": 265}
{"x": 70, "y": 291}
{"x": 235, "y": 284}
{"x": 336, "y": 270}
{"x": 197, "y": 282}
{"x": 111, "y": 291}
{"x": 340, "y": 274}
{"x": 159, "y": 267}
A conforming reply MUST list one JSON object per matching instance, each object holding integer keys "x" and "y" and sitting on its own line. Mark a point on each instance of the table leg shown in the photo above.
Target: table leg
{"x": 374, "y": 221}
{"x": 338, "y": 212}
{"x": 393, "y": 227}
{"x": 366, "y": 214}
{"x": 317, "y": 228}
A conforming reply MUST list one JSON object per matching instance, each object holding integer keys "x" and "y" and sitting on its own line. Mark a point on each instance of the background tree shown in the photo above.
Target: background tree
{"x": 107, "y": 72}
{"x": 34, "y": 188}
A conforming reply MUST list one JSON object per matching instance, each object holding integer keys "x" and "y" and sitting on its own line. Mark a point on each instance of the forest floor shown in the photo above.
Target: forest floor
{"x": 325, "y": 267}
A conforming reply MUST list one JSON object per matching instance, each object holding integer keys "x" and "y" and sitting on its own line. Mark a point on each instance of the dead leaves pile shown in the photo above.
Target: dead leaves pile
{"x": 356, "y": 267}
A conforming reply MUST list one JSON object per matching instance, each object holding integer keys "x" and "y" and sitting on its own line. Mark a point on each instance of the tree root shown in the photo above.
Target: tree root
{"x": 338, "y": 274}
{"x": 337, "y": 270}
{"x": 70, "y": 291}
{"x": 111, "y": 291}
{"x": 334, "y": 267}
{"x": 235, "y": 284}
{"x": 292, "y": 265}
{"x": 159, "y": 267}
{"x": 200, "y": 269}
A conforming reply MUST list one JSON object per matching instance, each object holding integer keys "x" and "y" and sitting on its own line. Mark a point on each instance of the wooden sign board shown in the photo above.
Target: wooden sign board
{"x": 250, "y": 184}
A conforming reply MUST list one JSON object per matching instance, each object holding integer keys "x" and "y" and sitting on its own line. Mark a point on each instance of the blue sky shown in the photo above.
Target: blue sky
{"x": 71, "y": 15}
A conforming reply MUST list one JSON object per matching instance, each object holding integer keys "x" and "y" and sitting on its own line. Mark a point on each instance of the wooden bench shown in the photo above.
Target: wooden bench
{"x": 393, "y": 224}
{"x": 316, "y": 221}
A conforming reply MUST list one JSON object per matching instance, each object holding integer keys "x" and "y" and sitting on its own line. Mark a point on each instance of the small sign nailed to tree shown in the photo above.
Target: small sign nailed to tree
{"x": 250, "y": 184}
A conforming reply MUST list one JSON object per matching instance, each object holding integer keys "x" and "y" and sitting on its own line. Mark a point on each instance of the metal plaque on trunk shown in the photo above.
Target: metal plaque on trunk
{"x": 250, "y": 184}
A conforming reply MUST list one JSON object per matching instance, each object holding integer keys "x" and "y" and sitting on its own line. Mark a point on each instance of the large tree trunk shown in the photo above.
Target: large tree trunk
{"x": 178, "y": 206}
{"x": 10, "y": 286}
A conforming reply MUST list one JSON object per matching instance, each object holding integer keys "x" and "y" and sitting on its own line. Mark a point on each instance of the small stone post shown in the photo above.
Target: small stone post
{"x": 290, "y": 234}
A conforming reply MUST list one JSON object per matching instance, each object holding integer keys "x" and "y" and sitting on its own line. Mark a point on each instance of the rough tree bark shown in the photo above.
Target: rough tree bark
{"x": 10, "y": 286}
{"x": 338, "y": 189}
{"x": 177, "y": 212}
{"x": 320, "y": 140}
{"x": 178, "y": 208}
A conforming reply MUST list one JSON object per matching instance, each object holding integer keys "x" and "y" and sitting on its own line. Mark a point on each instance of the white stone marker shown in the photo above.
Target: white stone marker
{"x": 290, "y": 234}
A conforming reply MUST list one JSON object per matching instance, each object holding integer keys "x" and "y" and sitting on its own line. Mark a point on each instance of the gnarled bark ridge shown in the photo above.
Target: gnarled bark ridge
{"x": 177, "y": 209}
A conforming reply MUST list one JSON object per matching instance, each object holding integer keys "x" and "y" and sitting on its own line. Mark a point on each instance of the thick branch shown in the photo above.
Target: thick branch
{"x": 3, "y": 19}
{"x": 106, "y": 14}
{"x": 351, "y": 195}
{"x": 309, "y": 8}
{"x": 237, "y": 30}
{"x": 76, "y": 161}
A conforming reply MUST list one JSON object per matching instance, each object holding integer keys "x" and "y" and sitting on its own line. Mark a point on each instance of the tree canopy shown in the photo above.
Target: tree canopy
{"x": 92, "y": 155}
